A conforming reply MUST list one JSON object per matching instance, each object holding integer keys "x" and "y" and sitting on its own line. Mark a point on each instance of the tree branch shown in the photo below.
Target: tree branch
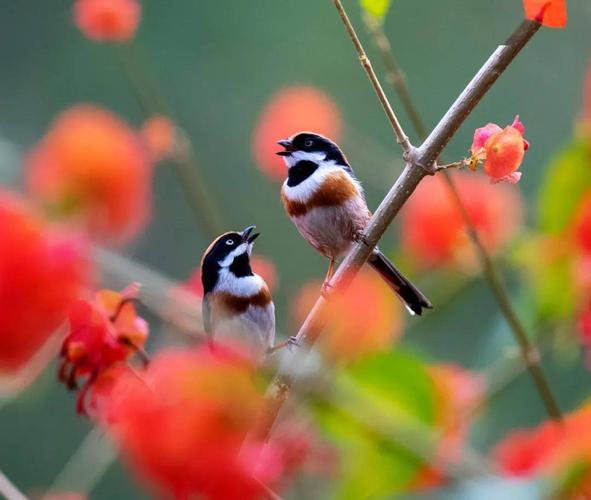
{"x": 401, "y": 137}
{"x": 418, "y": 163}
{"x": 489, "y": 270}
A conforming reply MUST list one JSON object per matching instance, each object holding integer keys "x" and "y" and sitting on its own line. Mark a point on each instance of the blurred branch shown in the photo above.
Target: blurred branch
{"x": 491, "y": 274}
{"x": 9, "y": 490}
{"x": 187, "y": 170}
{"x": 419, "y": 162}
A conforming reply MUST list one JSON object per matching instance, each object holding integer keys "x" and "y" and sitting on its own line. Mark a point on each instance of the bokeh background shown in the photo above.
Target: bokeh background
{"x": 217, "y": 63}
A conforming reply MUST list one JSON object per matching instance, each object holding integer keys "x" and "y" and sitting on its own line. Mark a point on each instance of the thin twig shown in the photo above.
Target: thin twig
{"x": 490, "y": 272}
{"x": 187, "y": 170}
{"x": 8, "y": 490}
{"x": 418, "y": 164}
{"x": 401, "y": 137}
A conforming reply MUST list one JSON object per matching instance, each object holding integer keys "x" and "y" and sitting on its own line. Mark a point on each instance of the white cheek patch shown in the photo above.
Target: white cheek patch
{"x": 305, "y": 189}
{"x": 245, "y": 286}
{"x": 239, "y": 250}
{"x": 296, "y": 156}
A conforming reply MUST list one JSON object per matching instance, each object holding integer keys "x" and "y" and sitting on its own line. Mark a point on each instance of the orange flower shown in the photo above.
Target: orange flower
{"x": 92, "y": 167}
{"x": 108, "y": 20}
{"x": 42, "y": 272}
{"x": 363, "y": 319}
{"x": 103, "y": 332}
{"x": 159, "y": 133}
{"x": 288, "y": 111}
{"x": 433, "y": 231}
{"x": 502, "y": 150}
{"x": 203, "y": 403}
{"x": 550, "y": 13}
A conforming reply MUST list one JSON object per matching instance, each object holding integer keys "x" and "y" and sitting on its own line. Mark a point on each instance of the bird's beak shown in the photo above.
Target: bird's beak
{"x": 247, "y": 236}
{"x": 286, "y": 143}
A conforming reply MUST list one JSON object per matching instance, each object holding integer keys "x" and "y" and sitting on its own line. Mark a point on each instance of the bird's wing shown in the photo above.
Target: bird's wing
{"x": 262, "y": 320}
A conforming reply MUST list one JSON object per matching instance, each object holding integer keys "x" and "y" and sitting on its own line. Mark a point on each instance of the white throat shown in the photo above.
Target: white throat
{"x": 245, "y": 286}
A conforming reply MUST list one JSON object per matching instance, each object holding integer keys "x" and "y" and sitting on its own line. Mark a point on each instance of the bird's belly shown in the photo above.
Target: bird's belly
{"x": 331, "y": 230}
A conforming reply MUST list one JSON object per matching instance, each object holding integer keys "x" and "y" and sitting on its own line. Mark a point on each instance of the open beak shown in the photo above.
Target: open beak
{"x": 286, "y": 143}
{"x": 247, "y": 236}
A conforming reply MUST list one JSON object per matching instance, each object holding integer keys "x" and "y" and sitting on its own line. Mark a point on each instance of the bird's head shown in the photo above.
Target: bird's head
{"x": 309, "y": 146}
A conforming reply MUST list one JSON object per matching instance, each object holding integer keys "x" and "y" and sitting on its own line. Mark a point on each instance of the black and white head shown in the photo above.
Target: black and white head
{"x": 228, "y": 258}
{"x": 312, "y": 147}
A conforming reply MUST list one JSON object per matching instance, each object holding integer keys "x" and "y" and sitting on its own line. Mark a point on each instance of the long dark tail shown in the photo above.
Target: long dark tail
{"x": 414, "y": 300}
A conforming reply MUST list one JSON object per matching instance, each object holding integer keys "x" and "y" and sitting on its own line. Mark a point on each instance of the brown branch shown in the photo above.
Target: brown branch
{"x": 401, "y": 137}
{"x": 187, "y": 170}
{"x": 419, "y": 161}
{"x": 490, "y": 272}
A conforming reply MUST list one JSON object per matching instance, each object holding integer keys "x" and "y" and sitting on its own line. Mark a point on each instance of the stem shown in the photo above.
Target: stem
{"x": 418, "y": 163}
{"x": 187, "y": 170}
{"x": 490, "y": 272}
{"x": 8, "y": 490}
{"x": 401, "y": 137}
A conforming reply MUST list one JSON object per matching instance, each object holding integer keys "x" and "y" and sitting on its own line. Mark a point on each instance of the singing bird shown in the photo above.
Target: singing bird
{"x": 325, "y": 201}
{"x": 237, "y": 302}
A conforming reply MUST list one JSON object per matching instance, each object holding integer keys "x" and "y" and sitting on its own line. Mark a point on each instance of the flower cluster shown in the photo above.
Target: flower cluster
{"x": 205, "y": 403}
{"x": 104, "y": 332}
{"x": 43, "y": 269}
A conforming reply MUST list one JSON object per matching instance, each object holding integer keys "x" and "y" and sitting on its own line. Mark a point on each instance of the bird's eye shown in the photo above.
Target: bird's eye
{"x": 308, "y": 143}
{"x": 229, "y": 242}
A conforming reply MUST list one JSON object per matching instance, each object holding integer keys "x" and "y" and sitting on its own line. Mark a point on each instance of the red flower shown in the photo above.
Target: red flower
{"x": 159, "y": 133}
{"x": 502, "y": 150}
{"x": 42, "y": 272}
{"x": 108, "y": 20}
{"x": 288, "y": 111}
{"x": 551, "y": 13}
{"x": 582, "y": 226}
{"x": 433, "y": 231}
{"x": 363, "y": 319}
{"x": 103, "y": 332}
{"x": 552, "y": 449}
{"x": 203, "y": 404}
{"x": 93, "y": 167}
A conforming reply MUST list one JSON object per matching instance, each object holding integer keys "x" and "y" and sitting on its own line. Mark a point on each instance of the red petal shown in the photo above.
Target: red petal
{"x": 550, "y": 13}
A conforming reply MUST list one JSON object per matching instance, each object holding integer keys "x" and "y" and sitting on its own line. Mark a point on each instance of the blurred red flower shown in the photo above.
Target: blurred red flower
{"x": 203, "y": 403}
{"x": 552, "y": 449}
{"x": 551, "y": 13}
{"x": 433, "y": 231}
{"x": 159, "y": 134}
{"x": 43, "y": 270}
{"x": 93, "y": 167}
{"x": 458, "y": 392}
{"x": 288, "y": 111}
{"x": 363, "y": 319}
{"x": 108, "y": 20}
{"x": 103, "y": 332}
{"x": 582, "y": 225}
{"x": 502, "y": 150}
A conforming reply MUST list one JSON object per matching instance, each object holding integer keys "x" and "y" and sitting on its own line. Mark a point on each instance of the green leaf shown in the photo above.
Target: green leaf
{"x": 387, "y": 388}
{"x": 568, "y": 178}
{"x": 376, "y": 8}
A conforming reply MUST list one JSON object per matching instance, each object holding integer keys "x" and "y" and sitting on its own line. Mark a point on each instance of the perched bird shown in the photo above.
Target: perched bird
{"x": 325, "y": 201}
{"x": 236, "y": 302}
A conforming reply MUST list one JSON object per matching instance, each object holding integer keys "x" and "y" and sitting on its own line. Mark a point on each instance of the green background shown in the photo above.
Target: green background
{"x": 217, "y": 62}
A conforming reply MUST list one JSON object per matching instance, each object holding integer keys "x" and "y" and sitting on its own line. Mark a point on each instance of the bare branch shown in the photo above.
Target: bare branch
{"x": 490, "y": 272}
{"x": 418, "y": 164}
{"x": 401, "y": 137}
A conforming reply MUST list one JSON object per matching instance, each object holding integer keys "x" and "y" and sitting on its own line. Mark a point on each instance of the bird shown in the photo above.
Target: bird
{"x": 325, "y": 201}
{"x": 236, "y": 303}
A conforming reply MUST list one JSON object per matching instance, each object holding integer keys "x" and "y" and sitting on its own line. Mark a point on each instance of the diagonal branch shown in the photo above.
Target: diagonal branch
{"x": 490, "y": 272}
{"x": 418, "y": 164}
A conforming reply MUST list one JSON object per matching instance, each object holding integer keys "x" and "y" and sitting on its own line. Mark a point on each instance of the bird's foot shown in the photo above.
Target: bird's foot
{"x": 325, "y": 289}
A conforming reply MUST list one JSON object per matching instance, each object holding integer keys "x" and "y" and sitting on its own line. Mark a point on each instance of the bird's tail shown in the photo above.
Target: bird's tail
{"x": 412, "y": 298}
